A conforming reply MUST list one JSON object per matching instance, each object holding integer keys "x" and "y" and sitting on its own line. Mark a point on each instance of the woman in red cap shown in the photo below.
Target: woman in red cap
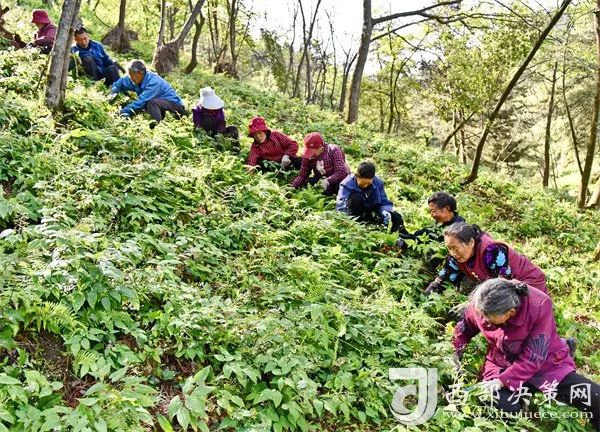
{"x": 44, "y": 37}
{"x": 326, "y": 161}
{"x": 271, "y": 145}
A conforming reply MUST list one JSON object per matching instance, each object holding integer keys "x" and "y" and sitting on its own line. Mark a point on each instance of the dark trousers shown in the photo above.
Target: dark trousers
{"x": 563, "y": 394}
{"x": 157, "y": 108}
{"x": 110, "y": 74}
{"x": 361, "y": 209}
{"x": 332, "y": 189}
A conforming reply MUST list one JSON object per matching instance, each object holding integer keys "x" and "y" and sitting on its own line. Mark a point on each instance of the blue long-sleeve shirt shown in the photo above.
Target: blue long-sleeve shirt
{"x": 374, "y": 194}
{"x": 95, "y": 50}
{"x": 151, "y": 87}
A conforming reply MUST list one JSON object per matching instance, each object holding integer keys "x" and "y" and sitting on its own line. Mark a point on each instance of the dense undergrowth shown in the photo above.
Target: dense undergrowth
{"x": 148, "y": 282}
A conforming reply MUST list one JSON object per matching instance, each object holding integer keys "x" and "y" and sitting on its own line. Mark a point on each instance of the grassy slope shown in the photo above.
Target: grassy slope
{"x": 137, "y": 258}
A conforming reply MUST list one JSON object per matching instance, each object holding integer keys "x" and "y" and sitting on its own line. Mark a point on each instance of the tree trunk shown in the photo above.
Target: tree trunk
{"x": 457, "y": 128}
{"x": 291, "y": 54}
{"x": 119, "y": 39}
{"x": 347, "y": 67}
{"x": 591, "y": 146}
{"x": 595, "y": 199}
{"x": 597, "y": 253}
{"x": 160, "y": 40}
{"x": 166, "y": 58}
{"x": 59, "y": 64}
{"x": 511, "y": 85}
{"x": 198, "y": 30}
{"x": 463, "y": 140}
{"x": 363, "y": 53}
{"x": 546, "y": 175}
{"x": 233, "y": 13}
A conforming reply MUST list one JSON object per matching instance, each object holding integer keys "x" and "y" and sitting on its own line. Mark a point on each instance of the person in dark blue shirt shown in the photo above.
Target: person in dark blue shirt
{"x": 362, "y": 196}
{"x": 155, "y": 95}
{"x": 96, "y": 63}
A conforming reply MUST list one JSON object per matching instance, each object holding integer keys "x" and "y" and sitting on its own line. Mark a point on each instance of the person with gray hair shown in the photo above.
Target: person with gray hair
{"x": 524, "y": 349}
{"x": 155, "y": 95}
{"x": 474, "y": 254}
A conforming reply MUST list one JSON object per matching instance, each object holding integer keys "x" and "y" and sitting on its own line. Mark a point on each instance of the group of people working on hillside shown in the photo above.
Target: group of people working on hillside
{"x": 510, "y": 307}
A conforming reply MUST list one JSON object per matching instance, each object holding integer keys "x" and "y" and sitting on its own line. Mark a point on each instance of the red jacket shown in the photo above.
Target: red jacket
{"x": 273, "y": 149}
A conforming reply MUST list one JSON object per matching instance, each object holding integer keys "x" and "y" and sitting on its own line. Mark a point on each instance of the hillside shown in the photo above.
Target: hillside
{"x": 141, "y": 265}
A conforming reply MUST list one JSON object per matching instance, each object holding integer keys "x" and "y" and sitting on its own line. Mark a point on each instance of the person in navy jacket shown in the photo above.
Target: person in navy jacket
{"x": 155, "y": 95}
{"x": 96, "y": 63}
{"x": 362, "y": 196}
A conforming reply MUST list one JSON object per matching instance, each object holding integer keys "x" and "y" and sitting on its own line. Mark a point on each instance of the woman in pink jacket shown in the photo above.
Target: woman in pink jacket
{"x": 524, "y": 349}
{"x": 474, "y": 254}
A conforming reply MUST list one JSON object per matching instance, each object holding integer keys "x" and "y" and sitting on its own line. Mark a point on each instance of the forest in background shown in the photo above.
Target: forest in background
{"x": 436, "y": 73}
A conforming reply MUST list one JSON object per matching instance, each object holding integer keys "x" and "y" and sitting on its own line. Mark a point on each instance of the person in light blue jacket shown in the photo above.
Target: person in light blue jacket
{"x": 155, "y": 95}
{"x": 362, "y": 196}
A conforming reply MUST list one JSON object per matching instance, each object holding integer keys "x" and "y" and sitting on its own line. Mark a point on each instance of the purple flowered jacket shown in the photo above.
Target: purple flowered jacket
{"x": 526, "y": 348}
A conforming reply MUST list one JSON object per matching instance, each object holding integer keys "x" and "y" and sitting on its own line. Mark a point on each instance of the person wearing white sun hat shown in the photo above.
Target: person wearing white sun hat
{"x": 209, "y": 116}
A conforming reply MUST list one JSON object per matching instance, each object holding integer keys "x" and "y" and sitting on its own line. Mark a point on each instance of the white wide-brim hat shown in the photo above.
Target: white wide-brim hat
{"x": 209, "y": 100}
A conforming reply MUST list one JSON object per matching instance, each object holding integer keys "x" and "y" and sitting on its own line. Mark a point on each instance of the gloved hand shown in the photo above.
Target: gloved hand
{"x": 286, "y": 162}
{"x": 457, "y": 312}
{"x": 401, "y": 244}
{"x": 324, "y": 184}
{"x": 112, "y": 97}
{"x": 432, "y": 287}
{"x": 387, "y": 217}
{"x": 320, "y": 167}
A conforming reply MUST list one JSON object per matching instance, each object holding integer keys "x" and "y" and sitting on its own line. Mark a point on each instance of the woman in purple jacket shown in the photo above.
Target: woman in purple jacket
{"x": 524, "y": 349}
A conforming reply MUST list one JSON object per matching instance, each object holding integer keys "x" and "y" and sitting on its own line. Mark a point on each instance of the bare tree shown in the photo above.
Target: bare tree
{"x": 307, "y": 35}
{"x": 119, "y": 38}
{"x": 166, "y": 57}
{"x": 160, "y": 39}
{"x": 591, "y": 146}
{"x": 56, "y": 84}
{"x": 511, "y": 85}
{"x": 233, "y": 8}
{"x": 546, "y": 174}
{"x": 198, "y": 24}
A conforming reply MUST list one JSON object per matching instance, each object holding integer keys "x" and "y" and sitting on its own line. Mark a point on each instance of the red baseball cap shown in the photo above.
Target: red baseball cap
{"x": 312, "y": 142}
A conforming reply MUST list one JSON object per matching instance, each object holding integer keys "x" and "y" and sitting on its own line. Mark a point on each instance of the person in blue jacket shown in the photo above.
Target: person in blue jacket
{"x": 362, "y": 196}
{"x": 96, "y": 63}
{"x": 155, "y": 95}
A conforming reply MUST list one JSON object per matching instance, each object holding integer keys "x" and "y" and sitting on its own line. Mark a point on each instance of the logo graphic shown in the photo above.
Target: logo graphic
{"x": 424, "y": 390}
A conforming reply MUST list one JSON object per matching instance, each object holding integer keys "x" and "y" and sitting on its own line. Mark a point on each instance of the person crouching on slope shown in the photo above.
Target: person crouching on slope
{"x": 155, "y": 95}
{"x": 442, "y": 208}
{"x": 209, "y": 116}
{"x": 362, "y": 196}
{"x": 96, "y": 63}
{"x": 270, "y": 145}
{"x": 525, "y": 353}
{"x": 327, "y": 162}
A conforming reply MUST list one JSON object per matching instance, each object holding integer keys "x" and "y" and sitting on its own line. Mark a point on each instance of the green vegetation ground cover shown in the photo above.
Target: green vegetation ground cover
{"x": 148, "y": 282}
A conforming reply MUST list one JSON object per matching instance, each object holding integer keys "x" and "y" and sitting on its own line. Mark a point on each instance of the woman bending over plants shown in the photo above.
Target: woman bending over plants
{"x": 474, "y": 254}
{"x": 525, "y": 353}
